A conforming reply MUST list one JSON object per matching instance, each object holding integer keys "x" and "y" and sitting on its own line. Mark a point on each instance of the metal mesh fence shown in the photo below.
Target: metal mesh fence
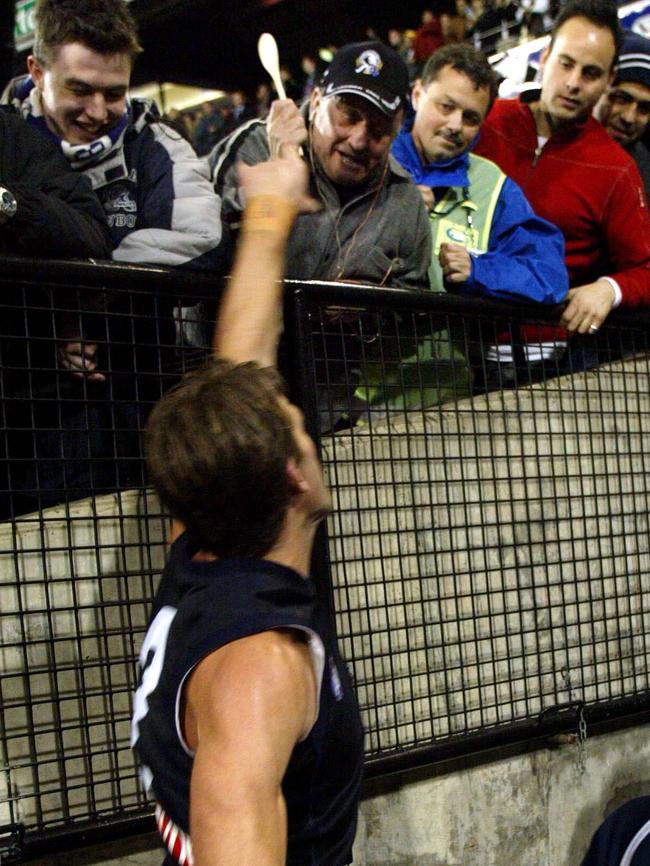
{"x": 82, "y": 542}
{"x": 488, "y": 552}
{"x": 488, "y": 548}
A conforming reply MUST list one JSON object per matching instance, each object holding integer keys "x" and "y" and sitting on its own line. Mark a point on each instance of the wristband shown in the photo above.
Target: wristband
{"x": 269, "y": 213}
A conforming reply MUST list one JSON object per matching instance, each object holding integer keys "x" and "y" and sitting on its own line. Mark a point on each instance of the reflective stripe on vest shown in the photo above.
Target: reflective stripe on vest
{"x": 449, "y": 223}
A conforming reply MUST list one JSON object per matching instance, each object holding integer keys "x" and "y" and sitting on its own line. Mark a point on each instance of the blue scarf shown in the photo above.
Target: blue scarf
{"x": 453, "y": 172}
{"x": 26, "y": 99}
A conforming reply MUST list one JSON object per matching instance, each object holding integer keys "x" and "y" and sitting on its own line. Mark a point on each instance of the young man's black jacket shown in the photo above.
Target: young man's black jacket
{"x": 58, "y": 214}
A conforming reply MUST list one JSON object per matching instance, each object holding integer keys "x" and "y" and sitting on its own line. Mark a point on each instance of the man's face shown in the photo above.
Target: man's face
{"x": 83, "y": 92}
{"x": 624, "y": 111}
{"x": 449, "y": 112}
{"x": 349, "y": 136}
{"x": 577, "y": 69}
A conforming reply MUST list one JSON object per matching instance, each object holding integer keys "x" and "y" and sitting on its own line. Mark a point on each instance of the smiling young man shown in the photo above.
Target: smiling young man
{"x": 572, "y": 173}
{"x": 372, "y": 225}
{"x": 624, "y": 108}
{"x": 156, "y": 193}
{"x": 160, "y": 208}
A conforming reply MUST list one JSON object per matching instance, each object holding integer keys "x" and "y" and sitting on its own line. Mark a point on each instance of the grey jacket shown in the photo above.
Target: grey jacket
{"x": 380, "y": 236}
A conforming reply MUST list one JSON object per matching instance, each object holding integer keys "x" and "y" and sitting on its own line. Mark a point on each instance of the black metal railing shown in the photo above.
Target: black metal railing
{"x": 487, "y": 548}
{"x": 485, "y": 562}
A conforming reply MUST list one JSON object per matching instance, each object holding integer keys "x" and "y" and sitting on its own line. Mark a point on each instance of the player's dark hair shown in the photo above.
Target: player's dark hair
{"x": 105, "y": 26}
{"x": 602, "y": 13}
{"x": 217, "y": 448}
{"x": 465, "y": 59}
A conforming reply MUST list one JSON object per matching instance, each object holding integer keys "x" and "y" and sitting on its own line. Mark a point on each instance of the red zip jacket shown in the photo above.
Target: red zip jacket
{"x": 586, "y": 184}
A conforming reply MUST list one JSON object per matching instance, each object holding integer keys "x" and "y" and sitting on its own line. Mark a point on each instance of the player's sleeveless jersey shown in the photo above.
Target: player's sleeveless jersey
{"x": 201, "y": 606}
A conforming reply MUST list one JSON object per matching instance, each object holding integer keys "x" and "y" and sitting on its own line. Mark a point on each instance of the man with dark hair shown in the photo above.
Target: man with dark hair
{"x": 624, "y": 108}
{"x": 572, "y": 173}
{"x": 160, "y": 208}
{"x": 245, "y": 721}
{"x": 156, "y": 193}
{"x": 486, "y": 237}
{"x": 372, "y": 225}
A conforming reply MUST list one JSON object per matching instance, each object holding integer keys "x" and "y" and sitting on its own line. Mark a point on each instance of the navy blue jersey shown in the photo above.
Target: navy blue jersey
{"x": 623, "y": 839}
{"x": 200, "y": 607}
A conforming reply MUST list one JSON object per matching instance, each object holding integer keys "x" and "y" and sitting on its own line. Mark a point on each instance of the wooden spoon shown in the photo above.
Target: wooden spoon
{"x": 267, "y": 51}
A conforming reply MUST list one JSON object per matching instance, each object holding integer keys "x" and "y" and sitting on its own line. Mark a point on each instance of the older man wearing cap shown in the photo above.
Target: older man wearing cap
{"x": 372, "y": 225}
{"x": 624, "y": 110}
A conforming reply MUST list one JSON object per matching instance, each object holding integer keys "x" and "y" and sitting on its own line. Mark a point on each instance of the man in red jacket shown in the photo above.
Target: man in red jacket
{"x": 572, "y": 172}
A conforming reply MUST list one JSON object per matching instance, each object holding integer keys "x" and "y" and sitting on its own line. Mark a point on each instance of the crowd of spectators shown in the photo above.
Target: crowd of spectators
{"x": 487, "y": 24}
{"x": 546, "y": 205}
{"x": 381, "y": 115}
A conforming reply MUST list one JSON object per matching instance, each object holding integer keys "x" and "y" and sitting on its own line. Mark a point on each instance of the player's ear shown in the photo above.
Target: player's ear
{"x": 296, "y": 480}
{"x": 543, "y": 57}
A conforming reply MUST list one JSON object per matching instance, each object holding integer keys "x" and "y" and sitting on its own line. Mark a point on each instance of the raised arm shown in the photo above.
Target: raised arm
{"x": 249, "y": 322}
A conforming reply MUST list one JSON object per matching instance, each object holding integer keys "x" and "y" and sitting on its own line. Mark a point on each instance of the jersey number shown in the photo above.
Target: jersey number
{"x": 152, "y": 656}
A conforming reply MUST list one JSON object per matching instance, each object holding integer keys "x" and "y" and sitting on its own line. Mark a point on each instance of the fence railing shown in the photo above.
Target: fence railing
{"x": 488, "y": 548}
{"x": 487, "y": 559}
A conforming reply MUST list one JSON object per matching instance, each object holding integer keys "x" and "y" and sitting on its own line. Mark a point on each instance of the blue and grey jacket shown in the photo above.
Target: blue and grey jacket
{"x": 159, "y": 203}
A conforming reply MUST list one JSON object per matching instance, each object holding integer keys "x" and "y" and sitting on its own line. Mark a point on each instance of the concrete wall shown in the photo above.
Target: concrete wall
{"x": 490, "y": 560}
{"x": 538, "y": 809}
{"x": 75, "y": 593}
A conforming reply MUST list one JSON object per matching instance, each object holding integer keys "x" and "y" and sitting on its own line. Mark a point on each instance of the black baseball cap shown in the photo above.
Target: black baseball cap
{"x": 373, "y": 71}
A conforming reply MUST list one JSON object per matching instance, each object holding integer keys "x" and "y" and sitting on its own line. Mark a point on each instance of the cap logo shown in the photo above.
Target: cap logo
{"x": 368, "y": 63}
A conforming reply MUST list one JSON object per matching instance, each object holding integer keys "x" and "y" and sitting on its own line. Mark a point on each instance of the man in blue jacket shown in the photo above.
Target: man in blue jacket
{"x": 486, "y": 237}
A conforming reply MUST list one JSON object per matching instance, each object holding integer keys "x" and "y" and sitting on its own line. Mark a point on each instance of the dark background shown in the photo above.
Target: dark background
{"x": 212, "y": 43}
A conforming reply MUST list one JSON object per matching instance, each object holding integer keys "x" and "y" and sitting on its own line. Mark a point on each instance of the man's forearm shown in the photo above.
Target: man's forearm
{"x": 250, "y": 317}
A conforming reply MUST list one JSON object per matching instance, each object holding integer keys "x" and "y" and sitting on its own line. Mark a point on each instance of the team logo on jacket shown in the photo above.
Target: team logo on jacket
{"x": 456, "y": 235}
{"x": 121, "y": 208}
{"x": 368, "y": 63}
